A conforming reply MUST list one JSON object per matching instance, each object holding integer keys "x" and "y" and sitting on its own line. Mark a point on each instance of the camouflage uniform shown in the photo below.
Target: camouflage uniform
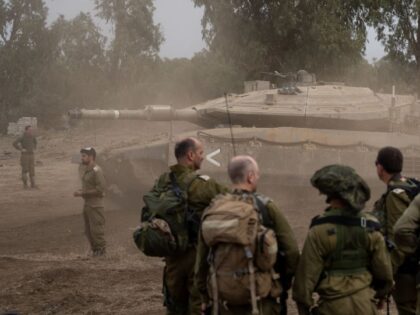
{"x": 406, "y": 231}
{"x": 27, "y": 145}
{"x": 345, "y": 264}
{"x": 286, "y": 244}
{"x": 181, "y": 296}
{"x": 388, "y": 209}
{"x": 93, "y": 188}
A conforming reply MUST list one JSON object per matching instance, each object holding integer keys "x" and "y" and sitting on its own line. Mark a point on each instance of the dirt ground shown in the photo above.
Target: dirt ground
{"x": 44, "y": 266}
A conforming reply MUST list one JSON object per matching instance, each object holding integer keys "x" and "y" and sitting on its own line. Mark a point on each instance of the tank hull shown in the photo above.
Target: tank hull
{"x": 287, "y": 157}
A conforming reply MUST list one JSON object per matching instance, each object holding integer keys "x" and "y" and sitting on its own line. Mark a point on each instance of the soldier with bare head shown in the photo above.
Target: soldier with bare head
{"x": 184, "y": 194}
{"x": 26, "y": 144}
{"x": 399, "y": 192}
{"x": 247, "y": 252}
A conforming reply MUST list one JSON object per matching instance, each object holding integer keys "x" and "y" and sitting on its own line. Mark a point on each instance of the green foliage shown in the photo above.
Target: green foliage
{"x": 24, "y": 51}
{"x": 397, "y": 24}
{"x": 263, "y": 35}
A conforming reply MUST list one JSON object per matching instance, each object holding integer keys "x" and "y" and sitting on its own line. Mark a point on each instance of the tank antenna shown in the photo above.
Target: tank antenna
{"x": 230, "y": 124}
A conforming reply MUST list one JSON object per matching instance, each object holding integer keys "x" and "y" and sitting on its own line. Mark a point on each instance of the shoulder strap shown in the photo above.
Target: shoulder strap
{"x": 347, "y": 221}
{"x": 262, "y": 207}
{"x": 174, "y": 185}
{"x": 176, "y": 188}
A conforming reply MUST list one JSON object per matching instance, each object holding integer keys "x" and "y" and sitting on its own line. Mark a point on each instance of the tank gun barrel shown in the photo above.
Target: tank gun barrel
{"x": 150, "y": 112}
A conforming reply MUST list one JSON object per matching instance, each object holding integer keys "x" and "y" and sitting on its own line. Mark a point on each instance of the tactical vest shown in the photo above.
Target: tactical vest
{"x": 351, "y": 254}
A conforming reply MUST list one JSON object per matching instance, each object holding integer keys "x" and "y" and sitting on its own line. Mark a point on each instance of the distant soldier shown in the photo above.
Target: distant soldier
{"x": 93, "y": 189}
{"x": 26, "y": 144}
{"x": 388, "y": 209}
{"x": 181, "y": 297}
{"x": 344, "y": 258}
{"x": 245, "y": 278}
{"x": 406, "y": 232}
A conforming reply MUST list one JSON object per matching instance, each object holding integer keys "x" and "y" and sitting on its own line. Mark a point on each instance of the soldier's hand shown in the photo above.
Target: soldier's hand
{"x": 380, "y": 305}
{"x": 77, "y": 193}
{"x": 203, "y": 308}
{"x": 22, "y": 150}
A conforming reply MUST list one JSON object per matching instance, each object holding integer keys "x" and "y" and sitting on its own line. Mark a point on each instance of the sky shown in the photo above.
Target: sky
{"x": 180, "y": 23}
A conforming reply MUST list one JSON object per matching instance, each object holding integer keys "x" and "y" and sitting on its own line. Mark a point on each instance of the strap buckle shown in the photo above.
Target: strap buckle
{"x": 363, "y": 222}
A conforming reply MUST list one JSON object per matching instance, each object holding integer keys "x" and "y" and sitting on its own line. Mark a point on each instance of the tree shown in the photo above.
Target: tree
{"x": 76, "y": 73}
{"x": 136, "y": 37}
{"x": 24, "y": 42}
{"x": 265, "y": 35}
{"x": 398, "y": 27}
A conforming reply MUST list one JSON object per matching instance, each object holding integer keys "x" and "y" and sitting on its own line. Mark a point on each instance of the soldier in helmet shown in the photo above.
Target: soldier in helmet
{"x": 92, "y": 192}
{"x": 26, "y": 144}
{"x": 388, "y": 209}
{"x": 344, "y": 258}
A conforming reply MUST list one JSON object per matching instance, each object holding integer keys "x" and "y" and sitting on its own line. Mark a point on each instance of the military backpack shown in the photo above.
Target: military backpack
{"x": 242, "y": 251}
{"x": 165, "y": 226}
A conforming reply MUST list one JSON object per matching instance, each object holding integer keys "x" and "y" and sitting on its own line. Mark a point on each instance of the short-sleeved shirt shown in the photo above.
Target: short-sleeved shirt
{"x": 92, "y": 180}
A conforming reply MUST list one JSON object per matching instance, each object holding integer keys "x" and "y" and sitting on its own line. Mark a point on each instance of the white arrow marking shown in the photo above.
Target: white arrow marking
{"x": 209, "y": 157}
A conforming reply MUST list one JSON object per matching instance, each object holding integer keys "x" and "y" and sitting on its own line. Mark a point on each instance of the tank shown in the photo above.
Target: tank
{"x": 291, "y": 131}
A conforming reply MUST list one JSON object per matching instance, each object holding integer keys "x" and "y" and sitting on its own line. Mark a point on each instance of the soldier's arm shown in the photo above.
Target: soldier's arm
{"x": 35, "y": 143}
{"x": 17, "y": 144}
{"x": 204, "y": 189}
{"x": 201, "y": 270}
{"x": 286, "y": 239}
{"x": 407, "y": 227}
{"x": 381, "y": 267}
{"x": 310, "y": 267}
{"x": 396, "y": 202}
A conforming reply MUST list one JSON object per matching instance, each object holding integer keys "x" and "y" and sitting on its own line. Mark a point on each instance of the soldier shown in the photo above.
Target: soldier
{"x": 406, "y": 232}
{"x": 92, "y": 192}
{"x": 244, "y": 174}
{"x": 26, "y": 144}
{"x": 344, "y": 258}
{"x": 388, "y": 209}
{"x": 180, "y": 295}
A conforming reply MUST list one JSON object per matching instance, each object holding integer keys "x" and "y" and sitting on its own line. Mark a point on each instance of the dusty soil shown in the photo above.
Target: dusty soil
{"x": 44, "y": 262}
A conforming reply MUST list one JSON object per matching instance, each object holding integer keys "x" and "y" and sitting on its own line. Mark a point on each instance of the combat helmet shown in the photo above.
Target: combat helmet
{"x": 340, "y": 181}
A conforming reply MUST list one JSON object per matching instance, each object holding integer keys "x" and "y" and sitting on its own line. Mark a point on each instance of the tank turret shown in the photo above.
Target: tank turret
{"x": 329, "y": 106}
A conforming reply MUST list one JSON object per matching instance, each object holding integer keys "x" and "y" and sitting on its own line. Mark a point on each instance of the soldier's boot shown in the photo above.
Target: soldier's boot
{"x": 25, "y": 181}
{"x": 99, "y": 252}
{"x": 33, "y": 185}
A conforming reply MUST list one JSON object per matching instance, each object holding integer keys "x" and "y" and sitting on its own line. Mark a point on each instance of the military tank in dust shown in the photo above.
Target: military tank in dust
{"x": 291, "y": 130}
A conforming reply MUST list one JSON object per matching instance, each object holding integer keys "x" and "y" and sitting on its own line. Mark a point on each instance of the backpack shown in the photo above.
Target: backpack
{"x": 242, "y": 251}
{"x": 164, "y": 230}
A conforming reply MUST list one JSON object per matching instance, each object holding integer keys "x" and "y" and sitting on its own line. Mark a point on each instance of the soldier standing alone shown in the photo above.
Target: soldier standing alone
{"x": 93, "y": 188}
{"x": 26, "y": 144}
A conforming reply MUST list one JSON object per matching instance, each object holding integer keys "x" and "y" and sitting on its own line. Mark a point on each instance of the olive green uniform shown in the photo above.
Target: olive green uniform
{"x": 286, "y": 244}
{"x": 181, "y": 297}
{"x": 406, "y": 231}
{"x": 27, "y": 145}
{"x": 93, "y": 189}
{"x": 388, "y": 209}
{"x": 346, "y": 291}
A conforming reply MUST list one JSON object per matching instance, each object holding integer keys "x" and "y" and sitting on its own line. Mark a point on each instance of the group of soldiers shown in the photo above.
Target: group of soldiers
{"x": 353, "y": 260}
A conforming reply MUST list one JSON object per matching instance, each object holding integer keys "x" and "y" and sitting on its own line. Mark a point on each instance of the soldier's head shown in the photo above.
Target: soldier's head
{"x": 28, "y": 130}
{"x": 342, "y": 184}
{"x": 88, "y": 155}
{"x": 388, "y": 163}
{"x": 190, "y": 152}
{"x": 244, "y": 172}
